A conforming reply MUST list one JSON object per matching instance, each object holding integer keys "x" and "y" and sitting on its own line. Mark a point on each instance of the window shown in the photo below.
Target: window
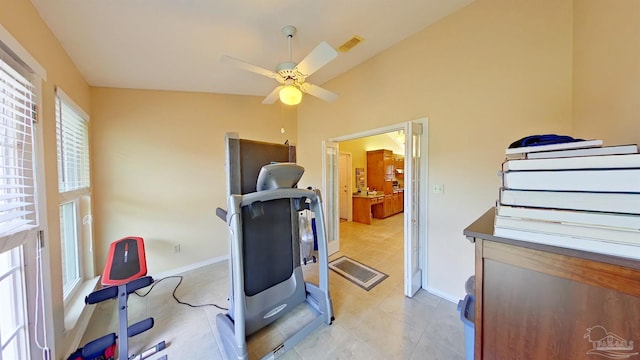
{"x": 70, "y": 255}
{"x": 13, "y": 327}
{"x": 17, "y": 202}
{"x": 72, "y": 131}
{"x": 18, "y": 218}
{"x": 73, "y": 185}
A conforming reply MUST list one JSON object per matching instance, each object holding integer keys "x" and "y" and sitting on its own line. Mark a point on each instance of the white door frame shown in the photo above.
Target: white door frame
{"x": 349, "y": 164}
{"x": 330, "y": 158}
{"x": 412, "y": 220}
{"x": 423, "y": 203}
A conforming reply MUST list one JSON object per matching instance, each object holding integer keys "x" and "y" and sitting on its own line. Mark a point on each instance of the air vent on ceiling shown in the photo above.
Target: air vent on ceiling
{"x": 350, "y": 44}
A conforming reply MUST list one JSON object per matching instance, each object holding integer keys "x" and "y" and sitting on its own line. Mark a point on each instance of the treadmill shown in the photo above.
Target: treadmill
{"x": 265, "y": 275}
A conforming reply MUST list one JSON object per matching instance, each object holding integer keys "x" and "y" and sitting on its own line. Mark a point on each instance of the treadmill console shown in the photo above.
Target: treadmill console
{"x": 279, "y": 176}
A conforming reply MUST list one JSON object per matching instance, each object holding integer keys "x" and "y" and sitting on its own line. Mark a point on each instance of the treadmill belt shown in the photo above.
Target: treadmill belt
{"x": 268, "y": 247}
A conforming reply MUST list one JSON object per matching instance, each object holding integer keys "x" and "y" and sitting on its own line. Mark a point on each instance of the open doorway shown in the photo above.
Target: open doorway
{"x": 404, "y": 172}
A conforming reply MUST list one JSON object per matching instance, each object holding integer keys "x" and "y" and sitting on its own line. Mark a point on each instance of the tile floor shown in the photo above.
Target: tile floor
{"x": 379, "y": 324}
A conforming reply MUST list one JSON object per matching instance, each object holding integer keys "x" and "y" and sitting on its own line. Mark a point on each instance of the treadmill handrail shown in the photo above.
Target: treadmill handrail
{"x": 275, "y": 194}
{"x": 222, "y": 214}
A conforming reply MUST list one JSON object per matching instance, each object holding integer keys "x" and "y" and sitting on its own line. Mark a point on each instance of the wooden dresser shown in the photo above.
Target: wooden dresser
{"x": 536, "y": 301}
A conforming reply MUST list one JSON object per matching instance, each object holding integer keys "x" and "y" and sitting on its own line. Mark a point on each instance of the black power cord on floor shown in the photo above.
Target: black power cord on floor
{"x": 174, "y": 293}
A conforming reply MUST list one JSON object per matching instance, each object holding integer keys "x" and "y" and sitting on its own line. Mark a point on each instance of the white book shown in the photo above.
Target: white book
{"x": 587, "y": 201}
{"x": 590, "y": 245}
{"x": 550, "y": 147}
{"x": 594, "y": 151}
{"x": 626, "y": 180}
{"x": 581, "y": 231}
{"x": 572, "y": 217}
{"x": 582, "y": 162}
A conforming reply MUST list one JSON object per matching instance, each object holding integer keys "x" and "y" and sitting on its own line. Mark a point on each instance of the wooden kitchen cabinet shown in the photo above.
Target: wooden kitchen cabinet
{"x": 382, "y": 168}
{"x": 364, "y": 206}
{"x": 383, "y": 209}
{"x": 391, "y": 205}
{"x": 398, "y": 164}
{"x": 398, "y": 201}
{"x": 535, "y": 301}
{"x": 388, "y": 205}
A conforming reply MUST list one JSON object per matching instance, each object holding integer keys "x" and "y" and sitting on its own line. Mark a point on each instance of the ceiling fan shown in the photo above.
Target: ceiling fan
{"x": 291, "y": 76}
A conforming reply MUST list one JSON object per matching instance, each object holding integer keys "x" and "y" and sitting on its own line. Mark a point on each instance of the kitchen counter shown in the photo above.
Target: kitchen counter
{"x": 379, "y": 206}
{"x": 360, "y": 195}
{"x": 363, "y": 206}
{"x": 379, "y": 194}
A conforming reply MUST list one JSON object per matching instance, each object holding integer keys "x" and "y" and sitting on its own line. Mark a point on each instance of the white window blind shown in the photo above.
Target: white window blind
{"x": 17, "y": 187}
{"x": 73, "y": 147}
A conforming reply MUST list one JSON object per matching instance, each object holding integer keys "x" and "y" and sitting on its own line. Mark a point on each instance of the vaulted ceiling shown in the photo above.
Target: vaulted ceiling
{"x": 177, "y": 44}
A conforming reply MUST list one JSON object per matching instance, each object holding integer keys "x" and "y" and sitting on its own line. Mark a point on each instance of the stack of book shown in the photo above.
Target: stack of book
{"x": 579, "y": 195}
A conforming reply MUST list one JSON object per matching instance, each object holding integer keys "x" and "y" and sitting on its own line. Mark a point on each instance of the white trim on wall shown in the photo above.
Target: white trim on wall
{"x": 22, "y": 53}
{"x": 441, "y": 294}
{"x": 372, "y": 132}
{"x": 423, "y": 185}
{"x": 189, "y": 267}
{"x": 69, "y": 101}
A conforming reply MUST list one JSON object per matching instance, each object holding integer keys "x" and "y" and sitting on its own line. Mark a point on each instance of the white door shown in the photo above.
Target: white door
{"x": 330, "y": 192}
{"x": 412, "y": 215}
{"x": 343, "y": 183}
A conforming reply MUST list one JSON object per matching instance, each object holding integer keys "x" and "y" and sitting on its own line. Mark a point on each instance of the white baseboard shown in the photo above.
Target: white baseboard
{"x": 190, "y": 267}
{"x": 443, "y": 295}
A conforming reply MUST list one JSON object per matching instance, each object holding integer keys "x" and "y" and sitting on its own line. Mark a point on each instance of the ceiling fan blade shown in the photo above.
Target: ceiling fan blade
{"x": 317, "y": 58}
{"x": 247, "y": 66}
{"x": 318, "y": 92}
{"x": 273, "y": 96}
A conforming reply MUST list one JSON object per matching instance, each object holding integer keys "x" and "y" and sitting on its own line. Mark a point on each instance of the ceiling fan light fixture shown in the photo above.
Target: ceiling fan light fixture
{"x": 290, "y": 95}
{"x": 293, "y": 76}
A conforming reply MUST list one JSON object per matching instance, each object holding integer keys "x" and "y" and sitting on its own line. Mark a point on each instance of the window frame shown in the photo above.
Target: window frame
{"x": 38, "y": 313}
{"x": 16, "y": 275}
{"x": 66, "y": 105}
{"x": 76, "y": 194}
{"x": 69, "y": 292}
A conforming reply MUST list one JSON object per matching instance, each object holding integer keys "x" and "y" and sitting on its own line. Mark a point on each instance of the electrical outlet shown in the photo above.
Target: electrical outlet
{"x": 437, "y": 189}
{"x": 176, "y": 248}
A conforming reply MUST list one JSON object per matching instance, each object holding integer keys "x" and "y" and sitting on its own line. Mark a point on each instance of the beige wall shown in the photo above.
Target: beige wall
{"x": 606, "y": 70}
{"x": 493, "y": 72}
{"x": 485, "y": 76}
{"x": 22, "y": 20}
{"x": 158, "y": 168}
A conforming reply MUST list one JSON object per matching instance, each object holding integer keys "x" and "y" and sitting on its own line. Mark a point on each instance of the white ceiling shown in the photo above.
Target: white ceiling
{"x": 177, "y": 44}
